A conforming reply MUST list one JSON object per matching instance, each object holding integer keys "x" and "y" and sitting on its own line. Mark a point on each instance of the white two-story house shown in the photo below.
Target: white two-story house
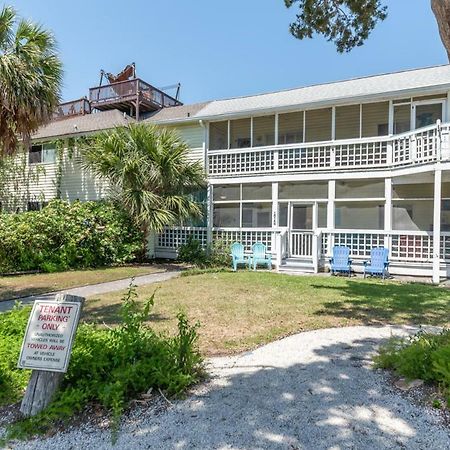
{"x": 362, "y": 163}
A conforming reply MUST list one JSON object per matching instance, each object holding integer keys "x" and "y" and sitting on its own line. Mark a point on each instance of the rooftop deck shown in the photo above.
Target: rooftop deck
{"x": 78, "y": 107}
{"x": 130, "y": 94}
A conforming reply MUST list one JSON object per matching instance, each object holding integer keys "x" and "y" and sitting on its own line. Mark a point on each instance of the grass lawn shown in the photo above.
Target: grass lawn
{"x": 239, "y": 311}
{"x": 23, "y": 285}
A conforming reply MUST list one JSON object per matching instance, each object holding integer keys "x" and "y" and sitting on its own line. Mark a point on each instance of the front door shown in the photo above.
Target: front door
{"x": 301, "y": 230}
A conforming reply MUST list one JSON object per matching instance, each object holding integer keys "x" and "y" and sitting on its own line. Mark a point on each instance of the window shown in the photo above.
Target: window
{"x": 36, "y": 206}
{"x": 42, "y": 153}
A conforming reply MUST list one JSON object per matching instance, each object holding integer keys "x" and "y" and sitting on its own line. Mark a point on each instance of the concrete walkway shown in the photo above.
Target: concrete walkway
{"x": 96, "y": 289}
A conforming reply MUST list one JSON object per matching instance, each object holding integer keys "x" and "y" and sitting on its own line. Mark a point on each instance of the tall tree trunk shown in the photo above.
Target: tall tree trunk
{"x": 441, "y": 10}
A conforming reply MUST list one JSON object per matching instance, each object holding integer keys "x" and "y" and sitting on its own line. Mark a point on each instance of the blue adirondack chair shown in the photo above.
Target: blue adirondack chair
{"x": 260, "y": 256}
{"x": 379, "y": 262}
{"x": 340, "y": 262}
{"x": 238, "y": 256}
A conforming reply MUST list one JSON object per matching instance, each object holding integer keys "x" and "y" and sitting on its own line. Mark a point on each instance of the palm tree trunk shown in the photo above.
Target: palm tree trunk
{"x": 441, "y": 10}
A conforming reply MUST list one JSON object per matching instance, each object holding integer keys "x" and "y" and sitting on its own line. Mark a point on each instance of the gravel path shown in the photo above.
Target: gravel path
{"x": 314, "y": 390}
{"x": 96, "y": 289}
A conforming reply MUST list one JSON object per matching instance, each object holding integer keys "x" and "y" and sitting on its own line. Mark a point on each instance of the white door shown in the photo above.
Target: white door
{"x": 303, "y": 222}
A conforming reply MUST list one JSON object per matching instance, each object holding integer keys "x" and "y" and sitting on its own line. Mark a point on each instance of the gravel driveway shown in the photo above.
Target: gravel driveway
{"x": 314, "y": 390}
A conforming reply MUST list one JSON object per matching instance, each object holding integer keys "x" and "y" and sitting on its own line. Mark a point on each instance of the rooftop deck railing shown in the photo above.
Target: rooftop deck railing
{"x": 416, "y": 147}
{"x": 124, "y": 90}
{"x": 73, "y": 108}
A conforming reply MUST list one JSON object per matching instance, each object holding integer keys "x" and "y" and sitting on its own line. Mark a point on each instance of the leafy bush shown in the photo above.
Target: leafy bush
{"x": 12, "y": 329}
{"x": 109, "y": 366}
{"x": 425, "y": 356}
{"x": 216, "y": 255}
{"x": 193, "y": 252}
{"x": 65, "y": 236}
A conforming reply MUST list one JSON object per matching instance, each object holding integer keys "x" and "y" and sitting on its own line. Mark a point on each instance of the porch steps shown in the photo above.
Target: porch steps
{"x": 297, "y": 266}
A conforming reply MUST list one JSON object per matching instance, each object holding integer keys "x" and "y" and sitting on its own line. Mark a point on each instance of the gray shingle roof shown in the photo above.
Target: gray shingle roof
{"x": 177, "y": 113}
{"x": 386, "y": 85}
{"x": 82, "y": 124}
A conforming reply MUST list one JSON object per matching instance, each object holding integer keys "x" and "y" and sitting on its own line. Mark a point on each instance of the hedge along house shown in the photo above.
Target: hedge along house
{"x": 361, "y": 163}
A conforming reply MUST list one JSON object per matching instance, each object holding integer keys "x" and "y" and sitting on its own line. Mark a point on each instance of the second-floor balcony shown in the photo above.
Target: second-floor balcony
{"x": 424, "y": 145}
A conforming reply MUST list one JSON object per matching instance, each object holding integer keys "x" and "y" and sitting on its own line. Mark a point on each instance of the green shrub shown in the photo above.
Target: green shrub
{"x": 215, "y": 255}
{"x": 111, "y": 366}
{"x": 193, "y": 252}
{"x": 425, "y": 356}
{"x": 12, "y": 329}
{"x": 66, "y": 236}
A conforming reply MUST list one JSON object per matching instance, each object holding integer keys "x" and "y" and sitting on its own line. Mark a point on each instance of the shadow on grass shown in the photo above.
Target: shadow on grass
{"x": 7, "y": 293}
{"x": 109, "y": 314}
{"x": 381, "y": 302}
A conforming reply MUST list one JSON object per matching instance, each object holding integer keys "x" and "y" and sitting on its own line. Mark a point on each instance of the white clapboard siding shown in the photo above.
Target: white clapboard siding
{"x": 194, "y": 136}
{"x": 77, "y": 183}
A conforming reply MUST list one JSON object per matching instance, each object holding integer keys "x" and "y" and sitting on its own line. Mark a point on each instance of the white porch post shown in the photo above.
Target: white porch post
{"x": 437, "y": 226}
{"x": 330, "y": 213}
{"x": 276, "y": 242}
{"x": 315, "y": 242}
{"x": 209, "y": 215}
{"x": 388, "y": 212}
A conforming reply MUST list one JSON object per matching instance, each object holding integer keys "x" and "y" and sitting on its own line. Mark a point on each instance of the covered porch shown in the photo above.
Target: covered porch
{"x": 301, "y": 220}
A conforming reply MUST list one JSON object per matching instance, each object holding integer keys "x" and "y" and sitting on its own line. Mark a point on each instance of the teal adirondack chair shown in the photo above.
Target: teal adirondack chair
{"x": 260, "y": 256}
{"x": 238, "y": 256}
{"x": 378, "y": 264}
{"x": 341, "y": 262}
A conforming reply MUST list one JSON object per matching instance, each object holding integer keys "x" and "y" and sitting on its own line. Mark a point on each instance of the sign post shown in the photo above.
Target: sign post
{"x": 46, "y": 348}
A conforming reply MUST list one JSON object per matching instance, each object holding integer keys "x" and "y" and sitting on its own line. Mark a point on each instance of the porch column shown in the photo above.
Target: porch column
{"x": 388, "y": 212}
{"x": 209, "y": 215}
{"x": 437, "y": 226}
{"x": 276, "y": 243}
{"x": 330, "y": 214}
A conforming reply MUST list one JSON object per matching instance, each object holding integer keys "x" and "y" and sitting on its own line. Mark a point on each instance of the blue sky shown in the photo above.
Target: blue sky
{"x": 220, "y": 49}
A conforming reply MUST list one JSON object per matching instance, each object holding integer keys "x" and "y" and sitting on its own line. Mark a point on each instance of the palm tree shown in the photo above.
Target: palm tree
{"x": 30, "y": 79}
{"x": 148, "y": 173}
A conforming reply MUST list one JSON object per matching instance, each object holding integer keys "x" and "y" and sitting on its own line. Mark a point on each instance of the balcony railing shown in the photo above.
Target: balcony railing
{"x": 73, "y": 108}
{"x": 416, "y": 147}
{"x": 124, "y": 90}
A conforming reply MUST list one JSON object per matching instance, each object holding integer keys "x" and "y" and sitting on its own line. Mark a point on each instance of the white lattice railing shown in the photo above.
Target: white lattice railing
{"x": 174, "y": 237}
{"x": 246, "y": 236}
{"x": 404, "y": 246}
{"x": 415, "y": 147}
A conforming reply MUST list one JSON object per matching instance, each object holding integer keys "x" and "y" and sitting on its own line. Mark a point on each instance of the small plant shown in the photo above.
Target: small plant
{"x": 193, "y": 252}
{"x": 215, "y": 255}
{"x": 425, "y": 356}
{"x": 108, "y": 366}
